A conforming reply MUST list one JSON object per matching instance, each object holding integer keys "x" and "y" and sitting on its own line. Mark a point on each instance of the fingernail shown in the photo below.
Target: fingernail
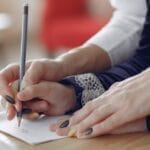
{"x": 26, "y": 111}
{"x": 72, "y": 132}
{"x": 9, "y": 99}
{"x": 88, "y": 131}
{"x": 64, "y": 124}
{"x": 31, "y": 116}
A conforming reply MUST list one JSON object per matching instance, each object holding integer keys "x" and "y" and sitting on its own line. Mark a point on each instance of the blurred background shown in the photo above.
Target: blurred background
{"x": 55, "y": 26}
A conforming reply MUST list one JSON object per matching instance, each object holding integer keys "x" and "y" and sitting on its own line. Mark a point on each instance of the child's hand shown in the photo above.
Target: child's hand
{"x": 10, "y": 102}
{"x": 45, "y": 69}
{"x": 49, "y": 98}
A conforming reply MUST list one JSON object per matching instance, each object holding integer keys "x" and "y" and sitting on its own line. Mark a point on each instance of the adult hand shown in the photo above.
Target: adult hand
{"x": 61, "y": 128}
{"x": 125, "y": 102}
{"x": 54, "y": 70}
{"x": 36, "y": 71}
{"x": 49, "y": 98}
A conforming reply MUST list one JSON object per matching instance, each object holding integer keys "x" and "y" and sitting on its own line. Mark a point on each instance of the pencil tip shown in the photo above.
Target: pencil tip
{"x": 19, "y": 121}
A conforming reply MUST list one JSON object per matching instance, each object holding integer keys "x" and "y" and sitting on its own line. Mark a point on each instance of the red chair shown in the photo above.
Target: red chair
{"x": 67, "y": 24}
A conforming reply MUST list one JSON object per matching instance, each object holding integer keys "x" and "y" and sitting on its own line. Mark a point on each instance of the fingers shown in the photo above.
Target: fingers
{"x": 106, "y": 126}
{"x": 61, "y": 127}
{"x": 38, "y": 106}
{"x": 95, "y": 117}
{"x": 43, "y": 69}
{"x": 11, "y": 111}
{"x": 34, "y": 73}
{"x": 101, "y": 121}
{"x": 84, "y": 112}
{"x": 7, "y": 76}
{"x": 37, "y": 90}
{"x": 134, "y": 126}
{"x": 31, "y": 116}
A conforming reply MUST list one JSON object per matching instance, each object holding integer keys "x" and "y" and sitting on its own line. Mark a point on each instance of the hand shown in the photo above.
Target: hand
{"x": 132, "y": 127}
{"x": 54, "y": 70}
{"x": 11, "y": 73}
{"x": 125, "y": 102}
{"x": 48, "y": 97}
{"x": 36, "y": 71}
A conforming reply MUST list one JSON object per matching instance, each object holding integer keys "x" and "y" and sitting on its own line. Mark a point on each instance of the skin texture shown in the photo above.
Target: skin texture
{"x": 135, "y": 126}
{"x": 103, "y": 115}
{"x": 50, "y": 98}
{"x": 123, "y": 103}
{"x": 52, "y": 70}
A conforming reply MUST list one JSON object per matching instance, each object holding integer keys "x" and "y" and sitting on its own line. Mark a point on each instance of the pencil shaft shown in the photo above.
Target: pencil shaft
{"x": 23, "y": 46}
{"x": 23, "y": 54}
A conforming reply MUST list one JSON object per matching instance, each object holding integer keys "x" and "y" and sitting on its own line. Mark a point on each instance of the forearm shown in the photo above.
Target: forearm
{"x": 84, "y": 59}
{"x": 121, "y": 36}
{"x": 92, "y": 85}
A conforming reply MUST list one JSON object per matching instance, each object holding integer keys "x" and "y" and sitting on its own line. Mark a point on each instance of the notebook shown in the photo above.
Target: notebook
{"x": 31, "y": 132}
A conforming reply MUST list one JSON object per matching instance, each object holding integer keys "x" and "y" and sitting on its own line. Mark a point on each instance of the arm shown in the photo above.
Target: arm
{"x": 93, "y": 56}
{"x": 121, "y": 36}
{"x": 90, "y": 86}
{"x": 103, "y": 80}
{"x": 112, "y": 45}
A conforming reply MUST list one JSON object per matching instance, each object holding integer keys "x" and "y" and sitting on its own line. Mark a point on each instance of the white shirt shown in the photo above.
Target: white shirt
{"x": 121, "y": 36}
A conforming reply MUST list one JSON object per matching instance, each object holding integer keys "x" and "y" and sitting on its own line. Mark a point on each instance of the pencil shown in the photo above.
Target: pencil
{"x": 23, "y": 52}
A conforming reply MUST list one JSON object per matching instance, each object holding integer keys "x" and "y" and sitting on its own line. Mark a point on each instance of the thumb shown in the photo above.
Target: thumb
{"x": 34, "y": 74}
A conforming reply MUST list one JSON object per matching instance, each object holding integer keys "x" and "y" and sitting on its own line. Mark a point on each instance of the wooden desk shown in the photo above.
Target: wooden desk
{"x": 140, "y": 141}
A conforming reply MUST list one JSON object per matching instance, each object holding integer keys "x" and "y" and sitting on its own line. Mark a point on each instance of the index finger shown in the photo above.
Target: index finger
{"x": 7, "y": 76}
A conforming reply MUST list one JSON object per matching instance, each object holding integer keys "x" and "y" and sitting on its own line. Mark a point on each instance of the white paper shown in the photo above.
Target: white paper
{"x": 31, "y": 132}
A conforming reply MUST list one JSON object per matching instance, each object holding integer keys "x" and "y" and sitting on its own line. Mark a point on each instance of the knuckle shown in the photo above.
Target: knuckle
{"x": 32, "y": 90}
{"x": 8, "y": 67}
{"x": 113, "y": 122}
{"x": 89, "y": 106}
{"x": 12, "y": 65}
{"x": 108, "y": 107}
{"x": 96, "y": 113}
{"x": 36, "y": 64}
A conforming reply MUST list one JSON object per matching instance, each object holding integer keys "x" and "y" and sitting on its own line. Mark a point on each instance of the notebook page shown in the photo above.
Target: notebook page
{"x": 31, "y": 132}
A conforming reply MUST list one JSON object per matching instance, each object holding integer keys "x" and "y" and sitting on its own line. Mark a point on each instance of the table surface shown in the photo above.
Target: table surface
{"x": 139, "y": 141}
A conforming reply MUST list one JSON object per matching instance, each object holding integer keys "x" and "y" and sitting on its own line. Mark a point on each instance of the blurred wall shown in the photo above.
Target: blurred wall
{"x": 13, "y": 8}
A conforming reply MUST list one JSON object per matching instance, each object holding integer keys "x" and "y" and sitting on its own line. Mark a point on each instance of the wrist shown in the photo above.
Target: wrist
{"x": 75, "y": 93}
{"x": 73, "y": 104}
{"x": 90, "y": 58}
{"x": 54, "y": 71}
{"x": 70, "y": 62}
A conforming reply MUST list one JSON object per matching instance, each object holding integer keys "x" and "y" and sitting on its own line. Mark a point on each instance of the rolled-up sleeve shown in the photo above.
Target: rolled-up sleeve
{"x": 121, "y": 36}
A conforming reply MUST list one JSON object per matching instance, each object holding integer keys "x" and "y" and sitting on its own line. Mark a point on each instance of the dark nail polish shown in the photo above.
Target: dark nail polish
{"x": 88, "y": 131}
{"x": 64, "y": 124}
{"x": 41, "y": 113}
{"x": 9, "y": 99}
{"x": 26, "y": 111}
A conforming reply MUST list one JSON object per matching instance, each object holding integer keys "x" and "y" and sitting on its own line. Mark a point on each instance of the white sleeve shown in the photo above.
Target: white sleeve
{"x": 121, "y": 36}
